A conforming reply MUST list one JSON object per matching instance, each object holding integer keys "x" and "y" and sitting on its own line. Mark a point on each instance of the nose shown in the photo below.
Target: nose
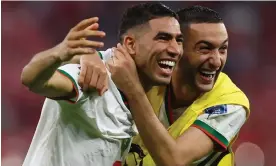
{"x": 215, "y": 61}
{"x": 174, "y": 49}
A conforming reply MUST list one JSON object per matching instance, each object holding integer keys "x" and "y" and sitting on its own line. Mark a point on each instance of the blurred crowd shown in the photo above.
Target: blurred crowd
{"x": 30, "y": 27}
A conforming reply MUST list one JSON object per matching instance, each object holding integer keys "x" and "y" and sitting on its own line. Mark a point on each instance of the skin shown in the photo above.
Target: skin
{"x": 160, "y": 39}
{"x": 205, "y": 48}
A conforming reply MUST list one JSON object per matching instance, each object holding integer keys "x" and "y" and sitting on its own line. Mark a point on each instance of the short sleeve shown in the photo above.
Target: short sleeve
{"x": 221, "y": 123}
{"x": 72, "y": 72}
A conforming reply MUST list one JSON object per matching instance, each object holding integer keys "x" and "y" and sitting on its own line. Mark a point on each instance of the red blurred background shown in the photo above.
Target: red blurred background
{"x": 30, "y": 27}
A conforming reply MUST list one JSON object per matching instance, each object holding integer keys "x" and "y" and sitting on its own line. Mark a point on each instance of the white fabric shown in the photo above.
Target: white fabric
{"x": 228, "y": 122}
{"x": 107, "y": 54}
{"x": 87, "y": 133}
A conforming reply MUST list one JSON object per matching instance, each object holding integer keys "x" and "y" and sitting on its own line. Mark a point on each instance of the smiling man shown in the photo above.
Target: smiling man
{"x": 79, "y": 128}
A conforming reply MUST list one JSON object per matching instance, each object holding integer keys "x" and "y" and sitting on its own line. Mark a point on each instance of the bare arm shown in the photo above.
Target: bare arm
{"x": 164, "y": 149}
{"x": 210, "y": 132}
{"x": 40, "y": 75}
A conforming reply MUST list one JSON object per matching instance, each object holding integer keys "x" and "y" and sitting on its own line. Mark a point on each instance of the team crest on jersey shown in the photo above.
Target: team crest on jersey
{"x": 219, "y": 109}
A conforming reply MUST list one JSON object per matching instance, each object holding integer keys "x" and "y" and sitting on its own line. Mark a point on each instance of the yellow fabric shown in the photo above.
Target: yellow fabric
{"x": 224, "y": 92}
{"x": 226, "y": 160}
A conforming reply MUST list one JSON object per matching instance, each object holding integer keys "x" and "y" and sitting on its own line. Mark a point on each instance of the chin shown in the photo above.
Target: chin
{"x": 162, "y": 80}
{"x": 203, "y": 88}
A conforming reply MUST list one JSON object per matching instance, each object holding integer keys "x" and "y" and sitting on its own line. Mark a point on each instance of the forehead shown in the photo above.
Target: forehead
{"x": 165, "y": 24}
{"x": 213, "y": 32}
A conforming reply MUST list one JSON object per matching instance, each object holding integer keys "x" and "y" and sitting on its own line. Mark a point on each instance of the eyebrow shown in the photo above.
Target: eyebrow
{"x": 161, "y": 33}
{"x": 208, "y": 43}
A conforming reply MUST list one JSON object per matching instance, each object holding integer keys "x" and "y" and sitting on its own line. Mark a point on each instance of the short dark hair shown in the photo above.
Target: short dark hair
{"x": 141, "y": 14}
{"x": 198, "y": 14}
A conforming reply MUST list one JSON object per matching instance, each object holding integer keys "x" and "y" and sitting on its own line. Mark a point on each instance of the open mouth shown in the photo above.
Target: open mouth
{"x": 166, "y": 66}
{"x": 207, "y": 75}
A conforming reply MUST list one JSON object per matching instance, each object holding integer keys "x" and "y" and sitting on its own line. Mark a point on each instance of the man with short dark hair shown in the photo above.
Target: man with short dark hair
{"x": 78, "y": 128}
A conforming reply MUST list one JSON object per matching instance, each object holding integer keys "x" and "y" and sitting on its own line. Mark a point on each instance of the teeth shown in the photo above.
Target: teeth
{"x": 208, "y": 72}
{"x": 169, "y": 63}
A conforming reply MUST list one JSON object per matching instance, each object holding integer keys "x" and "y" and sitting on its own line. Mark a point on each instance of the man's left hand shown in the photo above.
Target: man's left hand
{"x": 123, "y": 71}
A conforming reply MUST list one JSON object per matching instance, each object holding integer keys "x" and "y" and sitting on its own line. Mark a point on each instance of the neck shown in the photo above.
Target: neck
{"x": 183, "y": 94}
{"x": 146, "y": 84}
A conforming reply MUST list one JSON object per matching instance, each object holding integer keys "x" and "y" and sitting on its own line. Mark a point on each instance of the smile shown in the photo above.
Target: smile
{"x": 166, "y": 64}
{"x": 207, "y": 75}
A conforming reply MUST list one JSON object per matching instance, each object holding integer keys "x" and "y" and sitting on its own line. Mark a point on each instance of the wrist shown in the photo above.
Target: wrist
{"x": 54, "y": 53}
{"x": 136, "y": 92}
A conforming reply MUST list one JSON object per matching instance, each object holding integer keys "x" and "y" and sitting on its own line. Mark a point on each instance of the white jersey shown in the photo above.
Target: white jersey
{"x": 88, "y": 130}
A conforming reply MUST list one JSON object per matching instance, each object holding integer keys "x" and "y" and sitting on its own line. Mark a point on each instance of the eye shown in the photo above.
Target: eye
{"x": 165, "y": 38}
{"x": 180, "y": 40}
{"x": 204, "y": 49}
{"x": 223, "y": 49}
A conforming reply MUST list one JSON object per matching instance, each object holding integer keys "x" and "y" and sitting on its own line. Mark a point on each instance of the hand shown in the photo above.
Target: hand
{"x": 123, "y": 71}
{"x": 93, "y": 74}
{"x": 75, "y": 42}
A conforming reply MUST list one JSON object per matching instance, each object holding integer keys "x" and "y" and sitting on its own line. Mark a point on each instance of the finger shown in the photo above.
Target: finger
{"x": 116, "y": 60}
{"x": 101, "y": 92}
{"x": 117, "y": 54}
{"x": 93, "y": 80}
{"x": 87, "y": 79}
{"x": 105, "y": 88}
{"x": 123, "y": 50}
{"x": 74, "y": 51}
{"x": 85, "y": 43}
{"x": 85, "y": 23}
{"x": 82, "y": 75}
{"x": 94, "y": 26}
{"x": 109, "y": 65}
{"x": 101, "y": 83}
{"x": 85, "y": 33}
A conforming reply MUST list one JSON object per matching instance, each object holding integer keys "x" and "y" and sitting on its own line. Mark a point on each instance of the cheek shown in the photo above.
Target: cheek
{"x": 224, "y": 59}
{"x": 192, "y": 60}
{"x": 140, "y": 55}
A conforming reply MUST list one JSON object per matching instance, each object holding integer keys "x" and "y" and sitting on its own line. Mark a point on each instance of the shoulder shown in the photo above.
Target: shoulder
{"x": 70, "y": 67}
{"x": 105, "y": 55}
{"x": 221, "y": 122}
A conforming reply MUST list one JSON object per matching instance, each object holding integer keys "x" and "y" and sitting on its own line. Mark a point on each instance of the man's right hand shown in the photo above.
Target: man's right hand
{"x": 76, "y": 43}
{"x": 93, "y": 74}
{"x": 40, "y": 74}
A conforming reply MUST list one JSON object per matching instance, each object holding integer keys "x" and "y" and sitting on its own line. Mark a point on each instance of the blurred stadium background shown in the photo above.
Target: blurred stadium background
{"x": 30, "y": 27}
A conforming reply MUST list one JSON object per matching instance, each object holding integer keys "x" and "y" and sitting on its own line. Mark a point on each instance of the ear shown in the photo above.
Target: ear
{"x": 129, "y": 43}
